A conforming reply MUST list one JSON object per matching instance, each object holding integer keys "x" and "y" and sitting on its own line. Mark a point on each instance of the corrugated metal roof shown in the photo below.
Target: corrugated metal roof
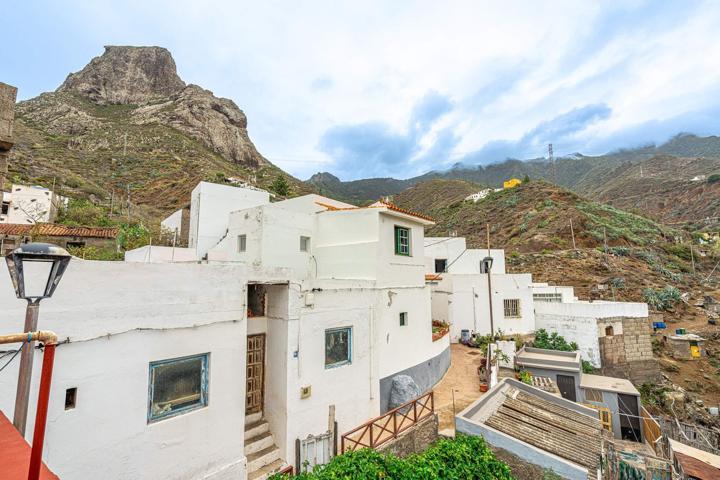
{"x": 15, "y": 454}
{"x": 53, "y": 230}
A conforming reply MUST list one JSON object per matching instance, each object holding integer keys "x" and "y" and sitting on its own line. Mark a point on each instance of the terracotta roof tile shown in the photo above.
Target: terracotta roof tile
{"x": 53, "y": 230}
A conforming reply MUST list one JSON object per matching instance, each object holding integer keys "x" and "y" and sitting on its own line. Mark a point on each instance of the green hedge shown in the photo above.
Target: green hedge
{"x": 461, "y": 458}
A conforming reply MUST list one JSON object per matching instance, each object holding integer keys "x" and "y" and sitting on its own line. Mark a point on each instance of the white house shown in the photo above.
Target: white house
{"x": 477, "y": 196}
{"x": 462, "y": 297}
{"x": 337, "y": 308}
{"x": 29, "y": 205}
{"x": 146, "y": 382}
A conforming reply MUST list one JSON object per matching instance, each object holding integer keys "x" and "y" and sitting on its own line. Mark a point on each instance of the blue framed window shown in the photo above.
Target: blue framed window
{"x": 177, "y": 386}
{"x": 338, "y": 347}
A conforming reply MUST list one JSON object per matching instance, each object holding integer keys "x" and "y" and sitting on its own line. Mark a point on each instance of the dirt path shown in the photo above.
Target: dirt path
{"x": 461, "y": 378}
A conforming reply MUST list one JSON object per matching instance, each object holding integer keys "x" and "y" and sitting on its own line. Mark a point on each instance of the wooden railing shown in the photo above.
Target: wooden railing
{"x": 374, "y": 433}
{"x": 652, "y": 430}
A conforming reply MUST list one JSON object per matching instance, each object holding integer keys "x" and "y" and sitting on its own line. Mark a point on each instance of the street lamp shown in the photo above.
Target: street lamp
{"x": 35, "y": 270}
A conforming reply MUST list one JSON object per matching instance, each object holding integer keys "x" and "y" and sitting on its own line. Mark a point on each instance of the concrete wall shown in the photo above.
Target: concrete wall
{"x": 464, "y": 260}
{"x": 628, "y": 353}
{"x": 156, "y": 254}
{"x": 465, "y": 298}
{"x": 416, "y": 439}
{"x": 210, "y": 206}
{"x": 584, "y": 322}
{"x": 425, "y": 374}
{"x": 395, "y": 269}
{"x": 118, "y": 317}
{"x": 7, "y": 120}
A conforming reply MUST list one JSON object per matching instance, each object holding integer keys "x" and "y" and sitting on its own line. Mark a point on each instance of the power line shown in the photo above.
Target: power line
{"x": 11, "y": 358}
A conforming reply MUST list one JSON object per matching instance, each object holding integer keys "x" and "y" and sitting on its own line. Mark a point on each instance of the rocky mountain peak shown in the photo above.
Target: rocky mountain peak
{"x": 126, "y": 75}
{"x": 323, "y": 177}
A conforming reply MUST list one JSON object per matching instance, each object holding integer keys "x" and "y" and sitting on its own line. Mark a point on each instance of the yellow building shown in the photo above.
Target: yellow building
{"x": 513, "y": 182}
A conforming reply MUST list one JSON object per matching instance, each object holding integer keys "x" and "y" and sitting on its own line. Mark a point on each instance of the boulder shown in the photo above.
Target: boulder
{"x": 403, "y": 390}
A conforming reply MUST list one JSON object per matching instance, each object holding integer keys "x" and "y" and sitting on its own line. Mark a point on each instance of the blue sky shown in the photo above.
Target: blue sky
{"x": 377, "y": 88}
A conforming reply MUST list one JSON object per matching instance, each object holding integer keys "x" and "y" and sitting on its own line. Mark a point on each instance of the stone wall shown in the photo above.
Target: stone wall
{"x": 414, "y": 440}
{"x": 629, "y": 354}
{"x": 7, "y": 119}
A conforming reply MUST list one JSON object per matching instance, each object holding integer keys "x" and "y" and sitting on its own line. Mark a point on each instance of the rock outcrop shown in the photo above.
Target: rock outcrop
{"x": 126, "y": 75}
{"x": 146, "y": 78}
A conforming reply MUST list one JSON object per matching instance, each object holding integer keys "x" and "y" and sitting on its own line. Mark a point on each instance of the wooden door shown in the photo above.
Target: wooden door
{"x": 566, "y": 385}
{"x": 255, "y": 375}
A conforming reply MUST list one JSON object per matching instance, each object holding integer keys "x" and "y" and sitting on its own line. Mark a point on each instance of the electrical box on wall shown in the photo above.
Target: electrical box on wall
{"x": 309, "y": 299}
{"x": 305, "y": 391}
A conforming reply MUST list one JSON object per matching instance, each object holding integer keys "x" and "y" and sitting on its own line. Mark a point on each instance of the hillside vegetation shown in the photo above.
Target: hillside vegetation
{"x": 113, "y": 128}
{"x": 532, "y": 217}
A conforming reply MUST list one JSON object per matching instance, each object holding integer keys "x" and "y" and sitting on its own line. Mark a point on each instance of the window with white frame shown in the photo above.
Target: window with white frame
{"x": 548, "y": 297}
{"x": 242, "y": 243}
{"x": 511, "y": 307}
{"x": 338, "y": 347}
{"x": 177, "y": 386}
{"x": 403, "y": 319}
{"x": 304, "y": 244}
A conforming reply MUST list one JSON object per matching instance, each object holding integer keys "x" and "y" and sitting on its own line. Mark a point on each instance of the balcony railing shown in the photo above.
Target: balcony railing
{"x": 386, "y": 427}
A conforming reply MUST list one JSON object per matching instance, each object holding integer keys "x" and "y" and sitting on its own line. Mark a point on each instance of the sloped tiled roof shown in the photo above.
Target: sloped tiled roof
{"x": 53, "y": 230}
{"x": 380, "y": 204}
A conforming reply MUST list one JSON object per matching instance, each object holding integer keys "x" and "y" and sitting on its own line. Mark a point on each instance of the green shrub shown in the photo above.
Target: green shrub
{"x": 619, "y": 251}
{"x": 553, "y": 341}
{"x": 662, "y": 299}
{"x": 715, "y": 177}
{"x": 463, "y": 457}
{"x": 280, "y": 186}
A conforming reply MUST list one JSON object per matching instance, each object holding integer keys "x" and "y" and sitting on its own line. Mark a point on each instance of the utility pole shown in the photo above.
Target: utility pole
{"x": 551, "y": 157}
{"x": 572, "y": 232}
{"x": 492, "y": 323}
{"x": 128, "y": 202}
{"x": 125, "y": 146}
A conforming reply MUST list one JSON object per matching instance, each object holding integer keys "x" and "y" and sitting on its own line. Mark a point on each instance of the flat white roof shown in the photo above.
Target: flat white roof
{"x": 608, "y": 384}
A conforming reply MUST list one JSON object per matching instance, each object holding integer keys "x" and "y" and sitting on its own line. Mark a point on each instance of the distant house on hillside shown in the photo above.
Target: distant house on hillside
{"x": 512, "y": 183}
{"x": 28, "y": 205}
{"x": 477, "y": 196}
{"x": 12, "y": 235}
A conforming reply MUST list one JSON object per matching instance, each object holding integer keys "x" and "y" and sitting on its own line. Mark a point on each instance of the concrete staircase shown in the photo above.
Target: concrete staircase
{"x": 263, "y": 456}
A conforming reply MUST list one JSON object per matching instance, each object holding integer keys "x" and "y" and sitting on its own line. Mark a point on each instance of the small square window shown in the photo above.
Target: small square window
{"x": 304, "y": 244}
{"x": 177, "y": 386}
{"x": 70, "y": 398}
{"x": 338, "y": 347}
{"x": 403, "y": 319}
{"x": 511, "y": 307}
{"x": 402, "y": 241}
{"x": 593, "y": 395}
{"x": 242, "y": 243}
{"x": 440, "y": 265}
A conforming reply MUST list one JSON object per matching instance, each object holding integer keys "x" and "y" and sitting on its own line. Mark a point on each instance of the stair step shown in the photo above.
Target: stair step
{"x": 264, "y": 472}
{"x": 255, "y": 429}
{"x": 253, "y": 417}
{"x": 255, "y": 444}
{"x": 266, "y": 456}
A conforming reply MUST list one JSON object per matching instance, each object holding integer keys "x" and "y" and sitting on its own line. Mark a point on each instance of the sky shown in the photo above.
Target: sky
{"x": 397, "y": 88}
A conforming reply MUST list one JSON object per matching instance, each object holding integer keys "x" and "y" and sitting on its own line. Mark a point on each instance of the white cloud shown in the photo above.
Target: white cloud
{"x": 299, "y": 69}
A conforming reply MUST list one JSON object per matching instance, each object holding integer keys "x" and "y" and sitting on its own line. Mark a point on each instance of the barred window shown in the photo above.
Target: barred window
{"x": 512, "y": 307}
{"x": 548, "y": 297}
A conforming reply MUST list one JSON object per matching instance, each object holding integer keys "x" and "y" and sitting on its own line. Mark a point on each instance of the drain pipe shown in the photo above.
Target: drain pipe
{"x": 50, "y": 341}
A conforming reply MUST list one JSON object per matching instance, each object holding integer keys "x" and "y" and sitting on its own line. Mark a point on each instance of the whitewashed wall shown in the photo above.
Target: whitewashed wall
{"x": 118, "y": 318}
{"x": 210, "y": 205}
{"x": 461, "y": 304}
{"x": 578, "y": 322}
{"x": 465, "y": 260}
